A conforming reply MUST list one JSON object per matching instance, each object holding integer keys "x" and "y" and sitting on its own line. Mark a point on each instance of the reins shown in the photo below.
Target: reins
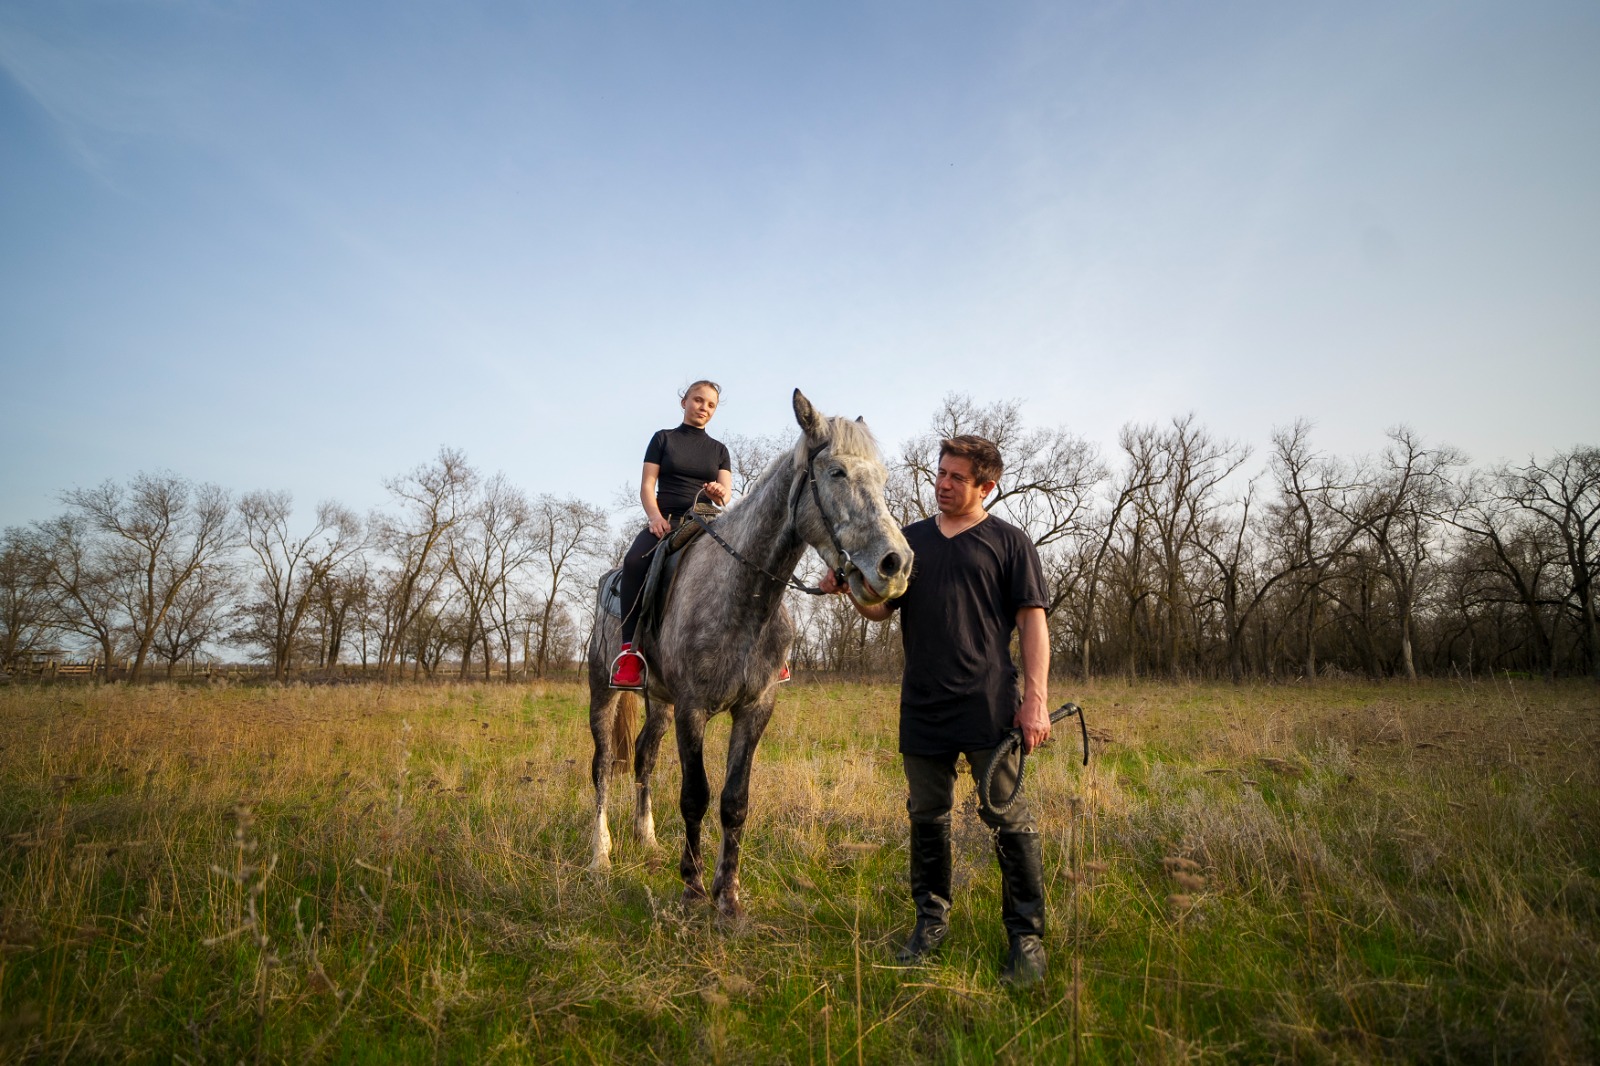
{"x": 793, "y": 582}
{"x": 1013, "y": 739}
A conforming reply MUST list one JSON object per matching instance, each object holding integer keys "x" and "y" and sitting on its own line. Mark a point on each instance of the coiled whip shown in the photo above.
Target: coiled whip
{"x": 1013, "y": 739}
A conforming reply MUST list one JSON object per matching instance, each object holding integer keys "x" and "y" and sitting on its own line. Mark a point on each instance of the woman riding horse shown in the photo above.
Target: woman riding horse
{"x": 679, "y": 466}
{"x": 721, "y": 650}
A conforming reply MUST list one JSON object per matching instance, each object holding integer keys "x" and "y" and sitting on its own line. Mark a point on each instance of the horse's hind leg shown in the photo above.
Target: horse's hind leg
{"x": 693, "y": 799}
{"x": 748, "y": 725}
{"x": 602, "y": 710}
{"x": 645, "y": 751}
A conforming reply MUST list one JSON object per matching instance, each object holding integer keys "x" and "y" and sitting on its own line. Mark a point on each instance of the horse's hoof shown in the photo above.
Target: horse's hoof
{"x": 694, "y": 894}
{"x": 732, "y": 921}
{"x": 729, "y": 909}
{"x": 600, "y": 865}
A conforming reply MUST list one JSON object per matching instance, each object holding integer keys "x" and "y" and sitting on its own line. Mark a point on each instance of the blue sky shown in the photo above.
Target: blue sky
{"x": 302, "y": 245}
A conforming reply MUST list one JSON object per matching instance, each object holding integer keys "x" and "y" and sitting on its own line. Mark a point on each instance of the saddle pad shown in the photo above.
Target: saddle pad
{"x": 611, "y": 593}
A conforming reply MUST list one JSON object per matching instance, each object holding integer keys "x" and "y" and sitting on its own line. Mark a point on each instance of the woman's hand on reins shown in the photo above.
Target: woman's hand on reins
{"x": 659, "y": 525}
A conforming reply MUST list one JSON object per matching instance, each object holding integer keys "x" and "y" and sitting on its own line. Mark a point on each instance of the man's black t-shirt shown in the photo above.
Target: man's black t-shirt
{"x": 688, "y": 458}
{"x": 959, "y": 692}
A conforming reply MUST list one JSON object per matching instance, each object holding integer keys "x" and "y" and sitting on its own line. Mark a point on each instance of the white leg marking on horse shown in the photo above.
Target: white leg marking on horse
{"x": 602, "y": 843}
{"x": 645, "y": 829}
{"x": 644, "y": 819}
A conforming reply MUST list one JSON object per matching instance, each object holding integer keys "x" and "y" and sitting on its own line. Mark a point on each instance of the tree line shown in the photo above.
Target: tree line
{"x": 459, "y": 568}
{"x": 1170, "y": 557}
{"x": 1173, "y": 557}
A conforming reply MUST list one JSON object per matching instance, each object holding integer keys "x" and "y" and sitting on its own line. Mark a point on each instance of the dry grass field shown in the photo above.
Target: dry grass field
{"x": 1339, "y": 873}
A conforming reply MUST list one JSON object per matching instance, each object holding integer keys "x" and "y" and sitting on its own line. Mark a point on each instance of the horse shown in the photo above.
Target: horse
{"x": 725, "y": 633}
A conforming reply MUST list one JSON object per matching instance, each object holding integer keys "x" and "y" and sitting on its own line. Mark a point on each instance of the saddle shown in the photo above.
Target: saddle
{"x": 658, "y": 581}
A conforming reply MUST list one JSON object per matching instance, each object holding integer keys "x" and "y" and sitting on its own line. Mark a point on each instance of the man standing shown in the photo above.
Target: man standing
{"x": 976, "y": 579}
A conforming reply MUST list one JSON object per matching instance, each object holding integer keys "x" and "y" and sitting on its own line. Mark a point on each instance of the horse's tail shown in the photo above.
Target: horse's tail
{"x": 624, "y": 725}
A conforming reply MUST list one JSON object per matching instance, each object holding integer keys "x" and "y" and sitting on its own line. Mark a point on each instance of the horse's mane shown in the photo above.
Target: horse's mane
{"x": 846, "y": 436}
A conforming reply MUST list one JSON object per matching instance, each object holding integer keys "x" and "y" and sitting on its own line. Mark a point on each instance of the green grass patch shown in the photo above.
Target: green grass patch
{"x": 1341, "y": 873}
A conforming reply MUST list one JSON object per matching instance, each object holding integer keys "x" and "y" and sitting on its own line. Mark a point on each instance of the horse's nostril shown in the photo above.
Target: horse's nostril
{"x": 890, "y": 565}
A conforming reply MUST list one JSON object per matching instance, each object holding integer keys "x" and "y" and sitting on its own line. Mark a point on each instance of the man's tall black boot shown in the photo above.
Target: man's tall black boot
{"x": 930, "y": 888}
{"x": 1022, "y": 905}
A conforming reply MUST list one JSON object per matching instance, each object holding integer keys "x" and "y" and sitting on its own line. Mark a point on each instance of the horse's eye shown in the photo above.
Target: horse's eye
{"x": 838, "y": 472}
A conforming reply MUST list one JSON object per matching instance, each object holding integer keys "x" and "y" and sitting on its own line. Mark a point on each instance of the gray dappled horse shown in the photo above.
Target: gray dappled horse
{"x": 725, "y": 632}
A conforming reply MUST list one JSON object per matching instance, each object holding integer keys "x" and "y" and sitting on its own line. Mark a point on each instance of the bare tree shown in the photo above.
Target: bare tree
{"x": 291, "y": 569}
{"x": 434, "y": 629}
{"x": 198, "y": 616}
{"x": 1246, "y": 573}
{"x": 1563, "y": 496}
{"x": 1514, "y": 550}
{"x": 81, "y": 581}
{"x": 751, "y": 455}
{"x": 1049, "y": 485}
{"x": 367, "y": 618}
{"x": 341, "y": 604}
{"x": 1505, "y": 582}
{"x": 1311, "y": 522}
{"x": 432, "y": 498}
{"x": 566, "y": 535}
{"x": 381, "y": 633}
{"x": 1085, "y": 563}
{"x": 24, "y": 596}
{"x": 1400, "y": 511}
{"x": 160, "y": 531}
{"x": 1124, "y": 564}
{"x": 552, "y": 632}
{"x": 487, "y": 550}
{"x": 1181, "y": 468}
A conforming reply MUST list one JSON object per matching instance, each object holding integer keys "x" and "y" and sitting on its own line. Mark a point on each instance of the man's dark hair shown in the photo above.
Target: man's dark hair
{"x": 981, "y": 453}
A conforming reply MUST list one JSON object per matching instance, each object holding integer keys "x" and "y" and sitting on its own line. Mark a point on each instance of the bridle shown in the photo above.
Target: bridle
{"x": 809, "y": 474}
{"x": 841, "y": 572}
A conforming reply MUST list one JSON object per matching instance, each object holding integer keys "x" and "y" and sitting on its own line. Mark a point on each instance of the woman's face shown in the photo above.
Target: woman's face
{"x": 699, "y": 405}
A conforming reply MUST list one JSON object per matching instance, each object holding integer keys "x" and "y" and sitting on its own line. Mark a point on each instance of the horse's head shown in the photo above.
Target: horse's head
{"x": 842, "y": 513}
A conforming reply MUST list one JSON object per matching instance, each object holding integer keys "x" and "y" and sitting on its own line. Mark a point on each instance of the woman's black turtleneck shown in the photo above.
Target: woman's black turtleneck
{"x": 688, "y": 457}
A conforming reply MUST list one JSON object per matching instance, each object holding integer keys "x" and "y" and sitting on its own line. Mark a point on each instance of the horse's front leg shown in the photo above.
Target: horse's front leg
{"x": 602, "y": 710}
{"x": 748, "y": 725}
{"x": 644, "y": 765}
{"x": 693, "y": 798}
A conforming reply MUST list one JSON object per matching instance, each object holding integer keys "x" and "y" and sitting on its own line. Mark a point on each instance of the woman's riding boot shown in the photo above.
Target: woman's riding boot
{"x": 930, "y": 888}
{"x": 1022, "y": 905}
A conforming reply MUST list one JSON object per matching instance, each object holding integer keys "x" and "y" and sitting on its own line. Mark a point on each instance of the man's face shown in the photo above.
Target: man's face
{"x": 958, "y": 492}
{"x": 699, "y": 406}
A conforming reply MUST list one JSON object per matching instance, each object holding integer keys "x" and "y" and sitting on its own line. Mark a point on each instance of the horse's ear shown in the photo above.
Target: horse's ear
{"x": 810, "y": 421}
{"x": 860, "y": 419}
